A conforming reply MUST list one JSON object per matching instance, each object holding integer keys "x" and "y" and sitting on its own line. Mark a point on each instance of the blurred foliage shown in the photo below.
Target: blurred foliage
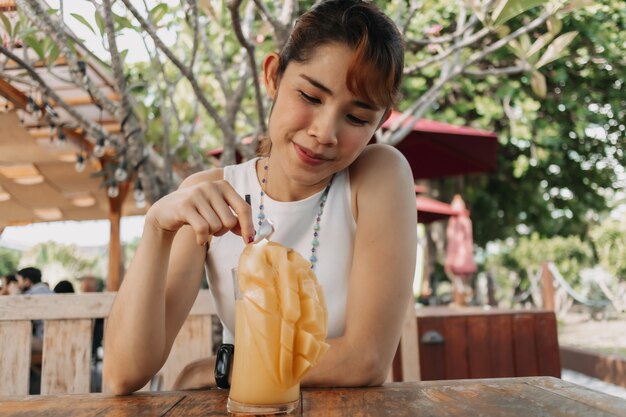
{"x": 574, "y": 258}
{"x": 561, "y": 156}
{"x": 609, "y": 242}
{"x": 9, "y": 259}
{"x": 570, "y": 255}
{"x": 58, "y": 261}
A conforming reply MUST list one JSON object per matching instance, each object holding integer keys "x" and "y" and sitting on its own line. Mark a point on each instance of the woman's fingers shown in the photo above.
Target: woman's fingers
{"x": 224, "y": 210}
{"x": 198, "y": 223}
{"x": 210, "y": 208}
{"x": 243, "y": 225}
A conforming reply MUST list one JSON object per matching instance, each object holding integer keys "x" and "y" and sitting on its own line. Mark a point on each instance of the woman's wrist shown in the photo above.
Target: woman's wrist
{"x": 153, "y": 230}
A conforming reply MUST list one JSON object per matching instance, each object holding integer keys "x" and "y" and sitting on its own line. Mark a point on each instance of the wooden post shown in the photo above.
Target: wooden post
{"x": 410, "y": 345}
{"x": 114, "y": 278}
{"x": 547, "y": 287}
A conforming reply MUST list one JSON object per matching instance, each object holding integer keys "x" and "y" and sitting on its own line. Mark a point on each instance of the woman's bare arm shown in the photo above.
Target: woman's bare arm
{"x": 163, "y": 279}
{"x": 381, "y": 275}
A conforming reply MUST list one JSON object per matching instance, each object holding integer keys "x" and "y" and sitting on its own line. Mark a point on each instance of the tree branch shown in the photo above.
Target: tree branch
{"x": 38, "y": 15}
{"x": 518, "y": 69}
{"x": 281, "y": 29}
{"x": 93, "y": 128}
{"x": 443, "y": 55}
{"x": 229, "y": 134}
{"x": 236, "y": 19}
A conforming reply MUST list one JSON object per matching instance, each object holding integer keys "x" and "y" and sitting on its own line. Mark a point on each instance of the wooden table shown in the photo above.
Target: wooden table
{"x": 532, "y": 396}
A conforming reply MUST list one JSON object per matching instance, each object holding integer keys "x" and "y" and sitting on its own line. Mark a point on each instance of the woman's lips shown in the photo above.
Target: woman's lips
{"x": 309, "y": 157}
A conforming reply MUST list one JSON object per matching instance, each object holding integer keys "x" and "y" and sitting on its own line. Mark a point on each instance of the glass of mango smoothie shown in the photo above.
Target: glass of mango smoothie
{"x": 280, "y": 329}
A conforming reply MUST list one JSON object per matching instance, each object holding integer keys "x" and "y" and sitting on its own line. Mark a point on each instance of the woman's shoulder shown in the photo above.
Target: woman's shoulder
{"x": 379, "y": 163}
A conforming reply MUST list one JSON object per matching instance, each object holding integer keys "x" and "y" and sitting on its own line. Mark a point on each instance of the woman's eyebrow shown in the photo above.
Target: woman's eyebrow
{"x": 319, "y": 85}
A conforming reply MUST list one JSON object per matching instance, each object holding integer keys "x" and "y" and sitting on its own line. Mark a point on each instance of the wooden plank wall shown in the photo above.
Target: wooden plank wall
{"x": 489, "y": 345}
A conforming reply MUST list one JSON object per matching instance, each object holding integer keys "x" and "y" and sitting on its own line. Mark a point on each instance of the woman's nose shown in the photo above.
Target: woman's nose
{"x": 324, "y": 127}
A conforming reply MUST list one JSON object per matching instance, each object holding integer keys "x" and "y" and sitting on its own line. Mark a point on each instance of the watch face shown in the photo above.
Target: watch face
{"x": 223, "y": 363}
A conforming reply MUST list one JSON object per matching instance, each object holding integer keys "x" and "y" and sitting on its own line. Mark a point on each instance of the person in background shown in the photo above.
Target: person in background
{"x": 89, "y": 283}
{"x": 9, "y": 285}
{"x": 63, "y": 287}
{"x": 29, "y": 281}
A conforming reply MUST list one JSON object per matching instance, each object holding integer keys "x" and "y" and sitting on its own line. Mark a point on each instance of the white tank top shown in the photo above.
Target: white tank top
{"x": 293, "y": 222}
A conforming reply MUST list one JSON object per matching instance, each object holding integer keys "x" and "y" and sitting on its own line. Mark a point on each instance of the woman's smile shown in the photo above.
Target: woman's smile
{"x": 309, "y": 157}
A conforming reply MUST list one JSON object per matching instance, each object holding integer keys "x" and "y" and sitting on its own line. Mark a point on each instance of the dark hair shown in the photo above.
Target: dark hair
{"x": 375, "y": 72}
{"x": 64, "y": 287}
{"x": 10, "y": 278}
{"x": 33, "y": 274}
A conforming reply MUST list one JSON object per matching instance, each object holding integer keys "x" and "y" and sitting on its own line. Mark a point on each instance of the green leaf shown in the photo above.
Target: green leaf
{"x": 538, "y": 84}
{"x": 158, "y": 12}
{"x": 99, "y": 22}
{"x": 578, "y": 4}
{"x": 16, "y": 29}
{"x": 6, "y": 23}
{"x": 26, "y": 32}
{"x": 53, "y": 53}
{"x": 505, "y": 10}
{"x": 476, "y": 7}
{"x": 36, "y": 45}
{"x": 123, "y": 22}
{"x": 541, "y": 42}
{"x": 556, "y": 49}
{"x": 554, "y": 25}
{"x": 123, "y": 54}
{"x": 83, "y": 21}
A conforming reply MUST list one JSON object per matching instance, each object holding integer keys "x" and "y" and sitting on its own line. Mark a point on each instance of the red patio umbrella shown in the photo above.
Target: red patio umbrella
{"x": 460, "y": 264}
{"x": 430, "y": 210}
{"x": 436, "y": 149}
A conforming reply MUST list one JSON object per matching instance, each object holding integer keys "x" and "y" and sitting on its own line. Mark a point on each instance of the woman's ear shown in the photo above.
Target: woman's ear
{"x": 270, "y": 74}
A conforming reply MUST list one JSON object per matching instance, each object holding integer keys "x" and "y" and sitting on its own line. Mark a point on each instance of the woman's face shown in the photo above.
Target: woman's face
{"x": 317, "y": 127}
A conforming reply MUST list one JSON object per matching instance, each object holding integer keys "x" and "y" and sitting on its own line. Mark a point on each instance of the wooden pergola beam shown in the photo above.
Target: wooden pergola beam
{"x": 12, "y": 94}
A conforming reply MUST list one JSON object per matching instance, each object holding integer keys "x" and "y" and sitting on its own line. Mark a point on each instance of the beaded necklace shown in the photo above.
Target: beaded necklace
{"x": 315, "y": 243}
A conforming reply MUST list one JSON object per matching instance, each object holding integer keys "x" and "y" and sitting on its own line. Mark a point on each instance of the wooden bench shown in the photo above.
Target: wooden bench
{"x": 68, "y": 323}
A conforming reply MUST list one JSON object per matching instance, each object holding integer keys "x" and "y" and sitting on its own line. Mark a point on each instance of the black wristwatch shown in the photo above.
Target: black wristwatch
{"x": 223, "y": 363}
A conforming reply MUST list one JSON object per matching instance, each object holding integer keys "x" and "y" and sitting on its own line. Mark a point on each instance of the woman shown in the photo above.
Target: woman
{"x": 332, "y": 86}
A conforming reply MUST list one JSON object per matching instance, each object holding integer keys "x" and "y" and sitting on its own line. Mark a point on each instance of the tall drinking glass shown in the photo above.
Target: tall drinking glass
{"x": 254, "y": 388}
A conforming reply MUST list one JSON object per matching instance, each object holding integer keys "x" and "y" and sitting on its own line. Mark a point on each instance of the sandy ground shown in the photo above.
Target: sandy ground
{"x": 608, "y": 336}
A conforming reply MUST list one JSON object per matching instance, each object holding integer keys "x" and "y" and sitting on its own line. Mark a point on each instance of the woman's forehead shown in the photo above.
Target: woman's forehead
{"x": 332, "y": 65}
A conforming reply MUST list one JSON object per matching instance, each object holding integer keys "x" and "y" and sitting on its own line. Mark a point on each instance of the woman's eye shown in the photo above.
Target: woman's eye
{"x": 356, "y": 120}
{"x": 309, "y": 98}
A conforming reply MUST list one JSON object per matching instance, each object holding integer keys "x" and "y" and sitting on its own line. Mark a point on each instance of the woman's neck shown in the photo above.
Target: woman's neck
{"x": 279, "y": 187}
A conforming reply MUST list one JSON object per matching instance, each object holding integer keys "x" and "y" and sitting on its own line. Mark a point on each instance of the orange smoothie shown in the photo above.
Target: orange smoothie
{"x": 253, "y": 380}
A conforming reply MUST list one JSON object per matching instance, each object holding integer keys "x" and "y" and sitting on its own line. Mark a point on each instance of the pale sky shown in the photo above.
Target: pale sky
{"x": 85, "y": 233}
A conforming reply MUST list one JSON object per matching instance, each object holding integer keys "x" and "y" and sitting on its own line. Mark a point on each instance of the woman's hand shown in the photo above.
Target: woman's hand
{"x": 211, "y": 208}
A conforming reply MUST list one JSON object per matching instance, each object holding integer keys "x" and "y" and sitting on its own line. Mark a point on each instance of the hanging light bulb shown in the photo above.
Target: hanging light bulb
{"x": 140, "y": 202}
{"x": 113, "y": 190}
{"x": 80, "y": 163}
{"x": 37, "y": 113}
{"x": 121, "y": 174}
{"x": 62, "y": 139}
{"x": 98, "y": 150}
{"x": 140, "y": 196}
{"x": 30, "y": 104}
{"x": 82, "y": 67}
{"x": 50, "y": 111}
